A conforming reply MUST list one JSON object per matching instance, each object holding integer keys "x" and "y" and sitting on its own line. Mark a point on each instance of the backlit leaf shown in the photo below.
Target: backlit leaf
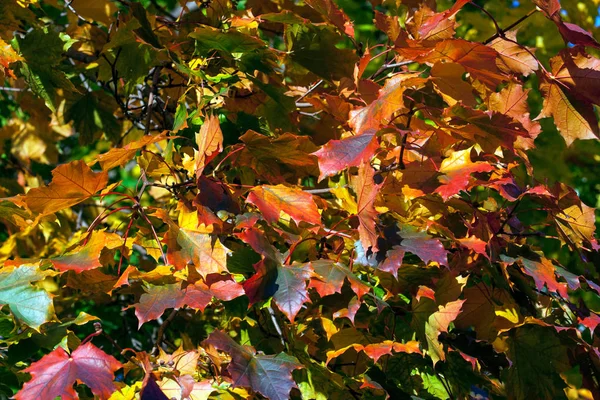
{"x": 338, "y": 155}
{"x": 209, "y": 141}
{"x": 389, "y": 101}
{"x": 574, "y": 120}
{"x": 269, "y": 375}
{"x": 513, "y": 57}
{"x": 366, "y": 192}
{"x": 272, "y": 200}
{"x": 437, "y": 323}
{"x": 30, "y": 304}
{"x": 54, "y": 375}
{"x": 71, "y": 184}
{"x": 119, "y": 156}
{"x": 330, "y": 276}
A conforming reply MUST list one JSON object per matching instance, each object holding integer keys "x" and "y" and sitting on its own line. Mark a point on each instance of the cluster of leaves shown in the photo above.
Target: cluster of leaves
{"x": 312, "y": 199}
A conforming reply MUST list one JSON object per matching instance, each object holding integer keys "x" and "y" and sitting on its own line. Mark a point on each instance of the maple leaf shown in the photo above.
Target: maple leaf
{"x": 549, "y": 7}
{"x": 117, "y": 157}
{"x": 437, "y": 323}
{"x": 7, "y": 56}
{"x": 576, "y": 223}
{"x": 393, "y": 260}
{"x": 538, "y": 357}
{"x": 185, "y": 362}
{"x": 286, "y": 284}
{"x": 278, "y": 158}
{"x": 457, "y": 170}
{"x": 205, "y": 251}
{"x": 481, "y": 311}
{"x": 433, "y": 25}
{"x": 54, "y": 375}
{"x": 199, "y": 295}
{"x": 514, "y": 57}
{"x": 512, "y": 101}
{"x": 272, "y": 200}
{"x": 87, "y": 256}
{"x": 573, "y": 33}
{"x": 578, "y": 74}
{"x": 185, "y": 387}
{"x": 330, "y": 276}
{"x": 336, "y": 16}
{"x": 477, "y": 59}
{"x": 422, "y": 245}
{"x": 291, "y": 291}
{"x": 389, "y": 101}
{"x": 543, "y": 273}
{"x": 338, "y": 155}
{"x": 158, "y": 298}
{"x": 261, "y": 285}
{"x": 447, "y": 80}
{"x": 71, "y": 184}
{"x": 209, "y": 141}
{"x": 489, "y": 131}
{"x": 30, "y": 304}
{"x": 269, "y": 375}
{"x": 574, "y": 120}
{"x": 366, "y": 192}
{"x": 376, "y": 350}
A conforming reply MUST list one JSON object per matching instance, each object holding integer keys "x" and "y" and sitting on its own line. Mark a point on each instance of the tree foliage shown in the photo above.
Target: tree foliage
{"x": 318, "y": 199}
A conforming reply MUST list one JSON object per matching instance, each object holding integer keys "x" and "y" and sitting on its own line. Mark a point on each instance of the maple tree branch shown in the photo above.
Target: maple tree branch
{"x": 444, "y": 383}
{"x": 387, "y": 65}
{"x": 320, "y": 191}
{"x": 524, "y": 234}
{"x": 69, "y": 6}
{"x": 405, "y": 138}
{"x": 499, "y": 30}
{"x": 276, "y": 324}
{"x": 511, "y": 26}
{"x": 501, "y": 33}
{"x": 508, "y": 217}
{"x": 161, "y": 330}
{"x": 153, "y": 91}
{"x": 313, "y": 87}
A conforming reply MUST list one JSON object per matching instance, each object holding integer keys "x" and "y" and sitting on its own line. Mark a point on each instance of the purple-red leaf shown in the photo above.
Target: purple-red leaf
{"x": 269, "y": 375}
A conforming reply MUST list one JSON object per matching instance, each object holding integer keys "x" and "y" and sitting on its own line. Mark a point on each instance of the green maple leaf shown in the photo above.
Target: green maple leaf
{"x": 30, "y": 304}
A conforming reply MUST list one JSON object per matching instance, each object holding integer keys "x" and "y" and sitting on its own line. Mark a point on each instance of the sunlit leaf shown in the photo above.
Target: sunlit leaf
{"x": 54, "y": 375}
{"x": 267, "y": 374}
{"x": 71, "y": 184}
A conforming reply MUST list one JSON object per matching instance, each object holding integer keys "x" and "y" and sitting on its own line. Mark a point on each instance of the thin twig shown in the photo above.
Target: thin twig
{"x": 153, "y": 90}
{"x": 276, "y": 324}
{"x": 319, "y": 191}
{"x": 405, "y": 138}
{"x": 161, "y": 330}
{"x": 12, "y": 89}
{"x": 310, "y": 90}
{"x": 511, "y": 26}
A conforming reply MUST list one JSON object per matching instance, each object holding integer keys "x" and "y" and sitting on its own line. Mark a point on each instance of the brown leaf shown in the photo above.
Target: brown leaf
{"x": 209, "y": 141}
{"x": 573, "y": 119}
{"x": 71, "y": 184}
{"x": 366, "y": 192}
{"x": 513, "y": 57}
{"x": 117, "y": 157}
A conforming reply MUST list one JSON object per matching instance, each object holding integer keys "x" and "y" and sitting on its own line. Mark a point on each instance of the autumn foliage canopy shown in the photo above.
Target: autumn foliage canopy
{"x": 311, "y": 199}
